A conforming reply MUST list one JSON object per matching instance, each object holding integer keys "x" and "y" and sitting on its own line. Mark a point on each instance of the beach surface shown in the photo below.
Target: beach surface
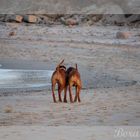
{"x": 110, "y": 72}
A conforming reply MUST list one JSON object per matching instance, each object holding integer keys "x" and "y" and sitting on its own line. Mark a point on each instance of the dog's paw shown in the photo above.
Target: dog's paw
{"x": 55, "y": 101}
{"x": 71, "y": 101}
{"x": 65, "y": 101}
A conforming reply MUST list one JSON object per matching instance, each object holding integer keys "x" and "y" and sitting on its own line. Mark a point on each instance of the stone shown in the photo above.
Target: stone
{"x": 123, "y": 35}
{"x": 30, "y": 18}
{"x": 113, "y": 19}
{"x": 12, "y": 34}
{"x": 14, "y": 18}
{"x": 18, "y": 18}
{"x": 71, "y": 21}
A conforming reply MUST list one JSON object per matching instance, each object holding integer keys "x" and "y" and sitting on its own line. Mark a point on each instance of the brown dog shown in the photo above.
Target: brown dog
{"x": 73, "y": 79}
{"x": 59, "y": 77}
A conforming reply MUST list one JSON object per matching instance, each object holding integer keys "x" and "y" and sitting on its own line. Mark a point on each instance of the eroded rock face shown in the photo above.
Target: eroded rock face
{"x": 131, "y": 6}
{"x": 133, "y": 18}
{"x": 105, "y": 8}
{"x": 75, "y": 19}
{"x": 69, "y": 6}
{"x": 127, "y": 6}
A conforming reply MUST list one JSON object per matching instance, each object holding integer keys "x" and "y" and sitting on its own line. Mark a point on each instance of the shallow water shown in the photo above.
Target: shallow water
{"x": 12, "y": 79}
{"x": 20, "y": 75}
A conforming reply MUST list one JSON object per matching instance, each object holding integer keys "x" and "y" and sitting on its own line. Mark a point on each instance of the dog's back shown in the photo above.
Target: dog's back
{"x": 59, "y": 74}
{"x": 73, "y": 76}
{"x": 59, "y": 77}
{"x": 73, "y": 79}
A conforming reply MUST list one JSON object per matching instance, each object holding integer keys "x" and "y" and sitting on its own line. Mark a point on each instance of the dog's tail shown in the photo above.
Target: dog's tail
{"x": 76, "y": 66}
{"x": 59, "y": 64}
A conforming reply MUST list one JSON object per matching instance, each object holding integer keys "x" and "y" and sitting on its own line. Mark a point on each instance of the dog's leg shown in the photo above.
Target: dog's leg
{"x": 53, "y": 88}
{"x": 65, "y": 94}
{"x": 76, "y": 94}
{"x": 70, "y": 93}
{"x": 59, "y": 93}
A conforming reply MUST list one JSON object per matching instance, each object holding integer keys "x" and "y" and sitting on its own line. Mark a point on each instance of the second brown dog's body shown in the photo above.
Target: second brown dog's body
{"x": 59, "y": 77}
{"x": 73, "y": 79}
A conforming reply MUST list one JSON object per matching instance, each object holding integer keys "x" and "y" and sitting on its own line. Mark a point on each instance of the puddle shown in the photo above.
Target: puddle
{"x": 11, "y": 80}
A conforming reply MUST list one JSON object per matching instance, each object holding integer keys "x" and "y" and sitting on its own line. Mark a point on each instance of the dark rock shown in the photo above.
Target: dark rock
{"x": 30, "y": 19}
{"x": 116, "y": 19}
{"x": 133, "y": 18}
{"x": 14, "y": 18}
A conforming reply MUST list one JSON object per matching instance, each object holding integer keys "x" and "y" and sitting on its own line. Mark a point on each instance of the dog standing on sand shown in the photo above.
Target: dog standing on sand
{"x": 59, "y": 77}
{"x": 73, "y": 79}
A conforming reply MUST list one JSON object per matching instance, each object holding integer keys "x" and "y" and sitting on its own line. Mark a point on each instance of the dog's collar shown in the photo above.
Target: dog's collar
{"x": 62, "y": 67}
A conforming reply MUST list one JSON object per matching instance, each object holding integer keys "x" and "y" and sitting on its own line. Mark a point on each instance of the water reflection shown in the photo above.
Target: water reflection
{"x": 24, "y": 79}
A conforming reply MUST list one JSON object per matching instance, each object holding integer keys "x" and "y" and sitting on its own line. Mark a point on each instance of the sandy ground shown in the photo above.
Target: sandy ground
{"x": 115, "y": 106}
{"x": 110, "y": 72}
{"x": 100, "y": 116}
